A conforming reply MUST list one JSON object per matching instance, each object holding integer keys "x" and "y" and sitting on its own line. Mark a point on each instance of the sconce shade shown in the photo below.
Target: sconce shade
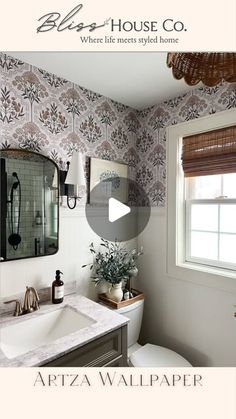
{"x": 208, "y": 68}
{"x": 75, "y": 174}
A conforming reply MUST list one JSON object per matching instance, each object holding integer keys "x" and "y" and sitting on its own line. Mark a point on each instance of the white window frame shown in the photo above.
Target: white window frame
{"x": 202, "y": 261}
{"x": 177, "y": 266}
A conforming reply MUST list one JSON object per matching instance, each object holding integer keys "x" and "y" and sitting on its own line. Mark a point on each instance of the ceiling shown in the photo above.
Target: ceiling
{"x": 135, "y": 79}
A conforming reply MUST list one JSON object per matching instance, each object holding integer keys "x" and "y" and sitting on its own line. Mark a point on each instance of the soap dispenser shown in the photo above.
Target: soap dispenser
{"x": 57, "y": 289}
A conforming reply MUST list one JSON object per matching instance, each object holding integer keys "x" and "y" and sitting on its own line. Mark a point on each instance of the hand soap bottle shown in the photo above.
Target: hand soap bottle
{"x": 58, "y": 289}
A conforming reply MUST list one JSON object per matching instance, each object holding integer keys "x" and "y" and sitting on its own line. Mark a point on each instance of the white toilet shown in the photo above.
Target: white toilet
{"x": 148, "y": 355}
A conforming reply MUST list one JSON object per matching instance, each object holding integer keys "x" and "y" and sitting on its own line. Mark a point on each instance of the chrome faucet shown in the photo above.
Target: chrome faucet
{"x": 31, "y": 302}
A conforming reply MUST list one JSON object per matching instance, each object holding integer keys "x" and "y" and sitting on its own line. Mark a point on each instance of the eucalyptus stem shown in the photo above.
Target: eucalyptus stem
{"x": 114, "y": 265}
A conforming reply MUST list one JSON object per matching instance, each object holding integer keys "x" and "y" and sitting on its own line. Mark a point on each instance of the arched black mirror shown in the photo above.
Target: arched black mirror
{"x": 29, "y": 208}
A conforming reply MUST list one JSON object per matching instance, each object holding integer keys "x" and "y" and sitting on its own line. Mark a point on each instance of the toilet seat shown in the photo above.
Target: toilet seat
{"x": 156, "y": 356}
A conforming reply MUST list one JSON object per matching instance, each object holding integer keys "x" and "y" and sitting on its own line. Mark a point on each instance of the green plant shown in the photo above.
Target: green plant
{"x": 114, "y": 264}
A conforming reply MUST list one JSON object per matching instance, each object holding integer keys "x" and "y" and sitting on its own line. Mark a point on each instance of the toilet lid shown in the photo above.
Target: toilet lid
{"x": 157, "y": 356}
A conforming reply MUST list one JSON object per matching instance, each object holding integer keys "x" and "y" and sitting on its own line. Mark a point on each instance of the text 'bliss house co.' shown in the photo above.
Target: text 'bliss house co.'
{"x": 72, "y": 22}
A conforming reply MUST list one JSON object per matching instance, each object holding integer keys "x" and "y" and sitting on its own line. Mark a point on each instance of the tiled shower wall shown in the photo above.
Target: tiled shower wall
{"x": 31, "y": 179}
{"x": 45, "y": 113}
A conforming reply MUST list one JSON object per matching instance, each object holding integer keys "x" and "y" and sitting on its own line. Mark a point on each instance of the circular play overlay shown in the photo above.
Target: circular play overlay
{"x": 118, "y": 209}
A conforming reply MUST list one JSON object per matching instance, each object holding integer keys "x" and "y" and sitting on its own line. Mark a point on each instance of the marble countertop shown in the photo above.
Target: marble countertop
{"x": 105, "y": 321}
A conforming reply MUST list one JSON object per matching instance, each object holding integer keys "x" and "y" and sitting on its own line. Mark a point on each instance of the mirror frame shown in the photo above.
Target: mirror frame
{"x": 58, "y": 200}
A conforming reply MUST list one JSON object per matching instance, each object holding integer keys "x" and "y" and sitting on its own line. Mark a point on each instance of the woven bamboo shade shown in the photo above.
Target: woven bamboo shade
{"x": 209, "y": 68}
{"x": 210, "y": 153}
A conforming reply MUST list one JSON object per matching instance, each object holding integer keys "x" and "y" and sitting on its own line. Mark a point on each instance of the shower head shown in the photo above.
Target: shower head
{"x": 15, "y": 175}
{"x": 15, "y": 184}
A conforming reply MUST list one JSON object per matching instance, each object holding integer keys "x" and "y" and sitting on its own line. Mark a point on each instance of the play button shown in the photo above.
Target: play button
{"x": 117, "y": 210}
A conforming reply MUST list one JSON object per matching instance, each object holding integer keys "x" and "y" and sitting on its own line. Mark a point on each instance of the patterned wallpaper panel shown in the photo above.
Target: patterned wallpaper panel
{"x": 48, "y": 114}
{"x": 151, "y": 135}
{"x": 42, "y": 112}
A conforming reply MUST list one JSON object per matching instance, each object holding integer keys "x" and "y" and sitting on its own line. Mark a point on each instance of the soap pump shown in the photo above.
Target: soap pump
{"x": 57, "y": 288}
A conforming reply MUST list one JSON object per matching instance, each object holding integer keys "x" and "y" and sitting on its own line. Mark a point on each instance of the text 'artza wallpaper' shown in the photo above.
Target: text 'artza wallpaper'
{"x": 42, "y": 112}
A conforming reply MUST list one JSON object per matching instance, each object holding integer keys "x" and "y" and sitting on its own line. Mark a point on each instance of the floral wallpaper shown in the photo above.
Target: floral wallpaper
{"x": 42, "y": 112}
{"x": 151, "y": 134}
{"x": 45, "y": 113}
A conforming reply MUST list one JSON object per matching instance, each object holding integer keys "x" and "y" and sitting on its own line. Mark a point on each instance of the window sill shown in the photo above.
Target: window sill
{"x": 207, "y": 276}
{"x": 226, "y": 273}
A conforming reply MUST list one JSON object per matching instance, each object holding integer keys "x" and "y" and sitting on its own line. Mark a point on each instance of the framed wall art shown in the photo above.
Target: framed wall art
{"x": 110, "y": 175}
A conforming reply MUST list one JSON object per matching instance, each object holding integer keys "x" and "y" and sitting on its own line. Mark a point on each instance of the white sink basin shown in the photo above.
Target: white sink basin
{"x": 20, "y": 338}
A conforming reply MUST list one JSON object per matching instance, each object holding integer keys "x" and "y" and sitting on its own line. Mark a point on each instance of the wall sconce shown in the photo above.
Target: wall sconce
{"x": 73, "y": 180}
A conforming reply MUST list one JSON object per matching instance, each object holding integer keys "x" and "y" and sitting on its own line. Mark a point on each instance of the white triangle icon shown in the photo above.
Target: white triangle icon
{"x": 117, "y": 210}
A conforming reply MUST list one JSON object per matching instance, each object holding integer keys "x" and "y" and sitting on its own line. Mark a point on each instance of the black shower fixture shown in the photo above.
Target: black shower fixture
{"x": 14, "y": 238}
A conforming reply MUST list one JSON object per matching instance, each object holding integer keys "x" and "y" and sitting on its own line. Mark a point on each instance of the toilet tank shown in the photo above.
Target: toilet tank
{"x": 134, "y": 312}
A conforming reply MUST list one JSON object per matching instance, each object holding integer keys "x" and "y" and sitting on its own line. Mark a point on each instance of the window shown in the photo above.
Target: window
{"x": 209, "y": 165}
{"x": 211, "y": 220}
{"x": 201, "y": 201}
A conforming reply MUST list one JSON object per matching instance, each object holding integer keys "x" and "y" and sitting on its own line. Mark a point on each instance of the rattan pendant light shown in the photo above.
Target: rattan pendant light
{"x": 210, "y": 68}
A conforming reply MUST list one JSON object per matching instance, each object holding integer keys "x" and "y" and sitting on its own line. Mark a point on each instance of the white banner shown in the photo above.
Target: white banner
{"x": 118, "y": 26}
{"x": 198, "y": 393}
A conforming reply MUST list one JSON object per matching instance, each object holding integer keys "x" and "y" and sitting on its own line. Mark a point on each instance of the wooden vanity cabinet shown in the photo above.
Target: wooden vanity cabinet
{"x": 109, "y": 350}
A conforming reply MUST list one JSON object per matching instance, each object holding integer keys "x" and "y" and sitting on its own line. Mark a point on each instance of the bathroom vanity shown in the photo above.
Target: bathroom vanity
{"x": 76, "y": 333}
{"x": 106, "y": 351}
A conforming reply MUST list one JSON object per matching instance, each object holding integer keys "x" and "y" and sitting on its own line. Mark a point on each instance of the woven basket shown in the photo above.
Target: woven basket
{"x": 209, "y": 68}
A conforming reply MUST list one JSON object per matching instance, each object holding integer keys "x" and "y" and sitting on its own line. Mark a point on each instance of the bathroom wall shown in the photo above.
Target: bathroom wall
{"x": 194, "y": 320}
{"x": 75, "y": 235}
{"x": 50, "y": 115}
{"x": 151, "y": 134}
{"x": 42, "y": 112}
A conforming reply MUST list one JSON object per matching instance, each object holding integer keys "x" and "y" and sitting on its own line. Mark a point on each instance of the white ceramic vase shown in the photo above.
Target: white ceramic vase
{"x": 115, "y": 292}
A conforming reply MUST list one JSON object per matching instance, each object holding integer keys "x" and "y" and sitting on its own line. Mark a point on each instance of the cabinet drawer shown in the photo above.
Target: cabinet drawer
{"x": 118, "y": 362}
{"x": 97, "y": 353}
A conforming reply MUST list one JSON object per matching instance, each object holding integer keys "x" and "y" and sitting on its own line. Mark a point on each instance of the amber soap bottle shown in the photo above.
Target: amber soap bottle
{"x": 57, "y": 288}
